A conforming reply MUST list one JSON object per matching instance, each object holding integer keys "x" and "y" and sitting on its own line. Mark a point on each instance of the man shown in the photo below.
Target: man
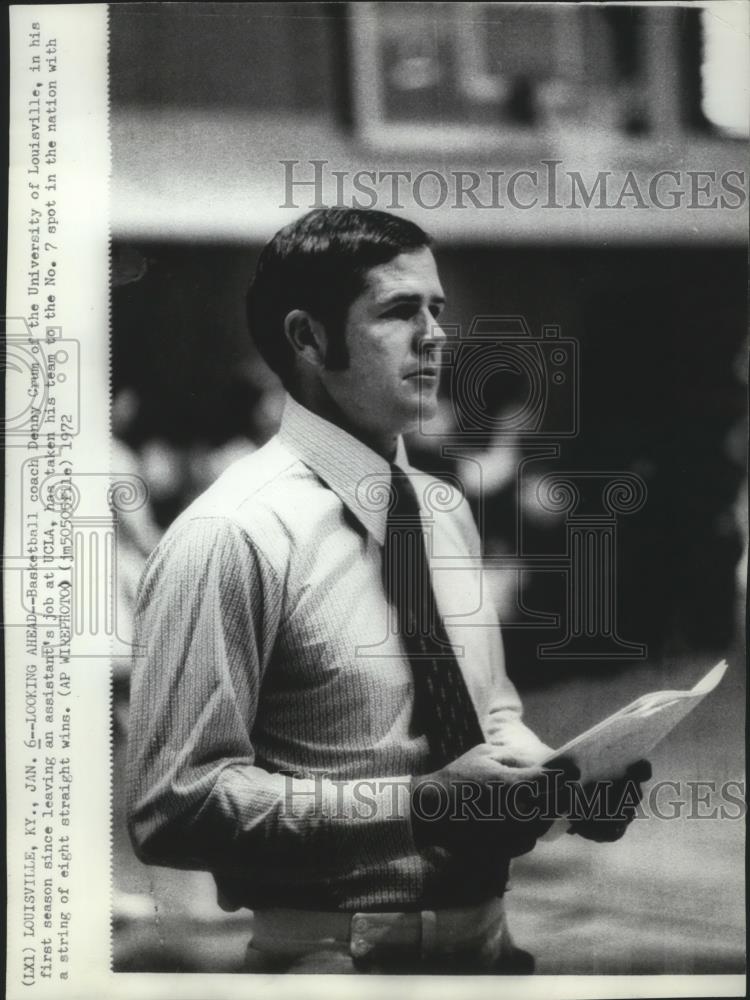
{"x": 321, "y": 716}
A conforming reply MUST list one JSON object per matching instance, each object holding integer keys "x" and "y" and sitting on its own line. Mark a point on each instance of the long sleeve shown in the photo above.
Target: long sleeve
{"x": 209, "y": 609}
{"x": 504, "y": 726}
{"x": 503, "y": 723}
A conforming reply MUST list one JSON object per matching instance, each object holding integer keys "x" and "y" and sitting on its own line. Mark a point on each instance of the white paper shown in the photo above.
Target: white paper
{"x": 605, "y": 750}
{"x": 203, "y": 176}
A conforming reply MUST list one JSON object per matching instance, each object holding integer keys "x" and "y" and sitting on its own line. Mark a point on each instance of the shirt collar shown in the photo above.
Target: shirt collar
{"x": 356, "y": 473}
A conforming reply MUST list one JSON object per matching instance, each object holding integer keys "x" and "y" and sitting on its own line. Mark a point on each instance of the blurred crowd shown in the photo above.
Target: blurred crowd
{"x": 501, "y": 498}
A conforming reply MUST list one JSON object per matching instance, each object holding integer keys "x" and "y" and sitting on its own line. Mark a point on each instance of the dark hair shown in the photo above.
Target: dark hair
{"x": 319, "y": 264}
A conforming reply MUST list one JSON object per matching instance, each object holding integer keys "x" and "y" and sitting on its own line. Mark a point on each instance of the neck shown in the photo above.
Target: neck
{"x": 317, "y": 400}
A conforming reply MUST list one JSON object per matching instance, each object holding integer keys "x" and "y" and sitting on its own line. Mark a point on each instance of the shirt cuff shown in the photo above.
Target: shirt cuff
{"x": 370, "y": 817}
{"x": 520, "y": 743}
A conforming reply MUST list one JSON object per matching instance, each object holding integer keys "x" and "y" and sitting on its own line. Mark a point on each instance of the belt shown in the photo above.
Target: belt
{"x": 468, "y": 930}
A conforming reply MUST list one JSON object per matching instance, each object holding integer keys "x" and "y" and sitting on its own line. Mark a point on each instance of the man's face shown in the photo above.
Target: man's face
{"x": 393, "y": 339}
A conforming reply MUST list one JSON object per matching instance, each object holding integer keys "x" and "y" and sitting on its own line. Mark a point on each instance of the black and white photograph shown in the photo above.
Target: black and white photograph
{"x": 332, "y": 316}
{"x": 420, "y": 597}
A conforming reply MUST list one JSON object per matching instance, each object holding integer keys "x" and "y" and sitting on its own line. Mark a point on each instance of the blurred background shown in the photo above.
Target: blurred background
{"x": 207, "y": 102}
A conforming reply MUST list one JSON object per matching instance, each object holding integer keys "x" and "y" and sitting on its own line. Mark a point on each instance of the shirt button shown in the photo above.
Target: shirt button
{"x": 359, "y": 924}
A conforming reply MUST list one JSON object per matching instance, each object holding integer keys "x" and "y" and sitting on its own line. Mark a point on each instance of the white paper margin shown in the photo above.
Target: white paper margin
{"x": 82, "y": 311}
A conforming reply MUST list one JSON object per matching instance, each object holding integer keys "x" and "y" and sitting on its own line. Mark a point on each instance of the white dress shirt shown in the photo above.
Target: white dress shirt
{"x": 271, "y": 737}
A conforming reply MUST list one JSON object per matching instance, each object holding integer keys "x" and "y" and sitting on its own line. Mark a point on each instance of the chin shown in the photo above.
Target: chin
{"x": 427, "y": 408}
{"x": 415, "y": 414}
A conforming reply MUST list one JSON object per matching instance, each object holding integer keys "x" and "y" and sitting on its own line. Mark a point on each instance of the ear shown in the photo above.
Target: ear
{"x": 307, "y": 336}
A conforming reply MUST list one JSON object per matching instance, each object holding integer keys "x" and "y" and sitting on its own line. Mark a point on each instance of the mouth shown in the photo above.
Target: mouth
{"x": 426, "y": 373}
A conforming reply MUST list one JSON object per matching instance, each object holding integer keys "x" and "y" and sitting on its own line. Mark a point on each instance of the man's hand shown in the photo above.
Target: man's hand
{"x": 615, "y": 805}
{"x": 520, "y": 756}
{"x": 480, "y": 803}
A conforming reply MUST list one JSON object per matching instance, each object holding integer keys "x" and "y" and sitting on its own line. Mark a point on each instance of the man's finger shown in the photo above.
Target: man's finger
{"x": 562, "y": 778}
{"x": 512, "y": 774}
{"x": 569, "y": 770}
{"x": 600, "y": 831}
{"x": 628, "y": 792}
{"x": 641, "y": 770}
{"x": 549, "y": 794}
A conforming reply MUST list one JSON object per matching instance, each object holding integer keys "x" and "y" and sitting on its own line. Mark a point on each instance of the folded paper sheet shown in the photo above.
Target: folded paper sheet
{"x": 605, "y": 751}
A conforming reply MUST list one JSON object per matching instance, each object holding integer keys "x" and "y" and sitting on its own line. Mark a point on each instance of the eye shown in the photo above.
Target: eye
{"x": 403, "y": 311}
{"x": 436, "y": 310}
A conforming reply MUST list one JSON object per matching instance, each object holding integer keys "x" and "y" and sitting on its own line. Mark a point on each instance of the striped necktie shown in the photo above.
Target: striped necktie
{"x": 443, "y": 709}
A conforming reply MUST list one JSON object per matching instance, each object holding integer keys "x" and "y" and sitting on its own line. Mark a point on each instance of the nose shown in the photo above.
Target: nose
{"x": 431, "y": 334}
